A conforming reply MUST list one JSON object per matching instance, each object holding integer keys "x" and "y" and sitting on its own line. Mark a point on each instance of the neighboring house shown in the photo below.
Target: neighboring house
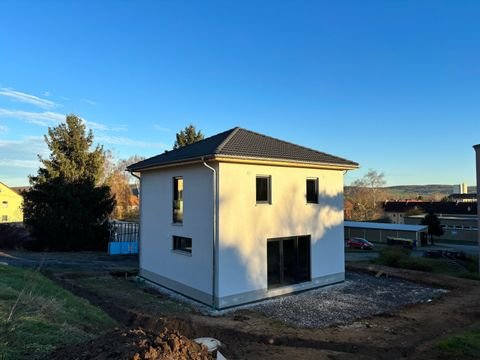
{"x": 240, "y": 216}
{"x": 458, "y": 219}
{"x": 398, "y": 210}
{"x": 471, "y": 197}
{"x": 460, "y": 229}
{"x": 10, "y": 205}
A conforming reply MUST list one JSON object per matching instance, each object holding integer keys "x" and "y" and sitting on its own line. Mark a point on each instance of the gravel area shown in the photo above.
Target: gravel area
{"x": 360, "y": 296}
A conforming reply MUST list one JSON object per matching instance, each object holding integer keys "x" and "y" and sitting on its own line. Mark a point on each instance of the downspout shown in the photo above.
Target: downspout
{"x": 139, "y": 180}
{"x": 139, "y": 215}
{"x": 214, "y": 240}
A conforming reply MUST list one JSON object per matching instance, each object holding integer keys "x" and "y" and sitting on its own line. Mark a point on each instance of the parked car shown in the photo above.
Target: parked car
{"x": 359, "y": 243}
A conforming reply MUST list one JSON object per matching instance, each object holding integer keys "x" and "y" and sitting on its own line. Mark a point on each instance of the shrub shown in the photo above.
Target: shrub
{"x": 393, "y": 256}
{"x": 13, "y": 236}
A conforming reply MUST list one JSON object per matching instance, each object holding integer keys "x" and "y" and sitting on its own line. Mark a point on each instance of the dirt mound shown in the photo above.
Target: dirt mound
{"x": 136, "y": 344}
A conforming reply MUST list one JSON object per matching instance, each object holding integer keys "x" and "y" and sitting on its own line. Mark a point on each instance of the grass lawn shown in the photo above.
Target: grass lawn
{"x": 465, "y": 346}
{"x": 36, "y": 315}
{"x": 400, "y": 258}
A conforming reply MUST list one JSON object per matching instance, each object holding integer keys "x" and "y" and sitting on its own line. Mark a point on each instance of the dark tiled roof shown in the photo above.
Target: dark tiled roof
{"x": 439, "y": 207}
{"x": 241, "y": 143}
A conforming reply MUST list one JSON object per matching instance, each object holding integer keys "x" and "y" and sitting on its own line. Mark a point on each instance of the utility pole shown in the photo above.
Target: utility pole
{"x": 477, "y": 152}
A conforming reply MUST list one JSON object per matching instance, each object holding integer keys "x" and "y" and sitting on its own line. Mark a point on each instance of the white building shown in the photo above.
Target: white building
{"x": 240, "y": 216}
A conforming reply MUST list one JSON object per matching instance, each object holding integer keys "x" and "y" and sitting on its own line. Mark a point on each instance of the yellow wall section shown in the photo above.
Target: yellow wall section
{"x": 13, "y": 207}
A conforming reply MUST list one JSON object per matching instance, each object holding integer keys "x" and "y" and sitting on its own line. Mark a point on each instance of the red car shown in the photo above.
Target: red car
{"x": 359, "y": 243}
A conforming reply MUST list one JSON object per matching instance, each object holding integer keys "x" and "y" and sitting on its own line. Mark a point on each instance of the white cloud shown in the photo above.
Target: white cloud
{"x": 28, "y": 164}
{"x": 3, "y": 129}
{"x": 95, "y": 126}
{"x": 161, "y": 128}
{"x": 46, "y": 118}
{"x": 18, "y": 159}
{"x": 119, "y": 128}
{"x": 91, "y": 102}
{"x": 27, "y": 98}
{"x": 47, "y": 93}
{"x": 120, "y": 140}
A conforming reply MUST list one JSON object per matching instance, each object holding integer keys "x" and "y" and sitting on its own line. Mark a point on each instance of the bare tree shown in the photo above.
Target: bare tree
{"x": 121, "y": 182}
{"x": 365, "y": 195}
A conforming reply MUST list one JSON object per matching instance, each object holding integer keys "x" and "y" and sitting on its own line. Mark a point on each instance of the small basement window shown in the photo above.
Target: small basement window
{"x": 312, "y": 191}
{"x": 263, "y": 190}
{"x": 181, "y": 243}
{"x": 4, "y": 217}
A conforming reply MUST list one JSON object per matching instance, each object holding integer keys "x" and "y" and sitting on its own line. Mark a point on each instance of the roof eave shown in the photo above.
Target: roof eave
{"x": 284, "y": 162}
{"x": 247, "y": 160}
{"x": 193, "y": 160}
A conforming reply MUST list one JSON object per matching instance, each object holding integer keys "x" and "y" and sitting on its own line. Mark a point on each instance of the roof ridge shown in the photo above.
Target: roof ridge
{"x": 298, "y": 146}
{"x": 226, "y": 140}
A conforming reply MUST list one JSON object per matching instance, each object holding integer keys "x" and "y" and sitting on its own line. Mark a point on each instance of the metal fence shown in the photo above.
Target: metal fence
{"x": 123, "y": 237}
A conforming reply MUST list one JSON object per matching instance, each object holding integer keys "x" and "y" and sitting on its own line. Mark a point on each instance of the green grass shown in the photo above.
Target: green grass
{"x": 400, "y": 258}
{"x": 37, "y": 316}
{"x": 465, "y": 346}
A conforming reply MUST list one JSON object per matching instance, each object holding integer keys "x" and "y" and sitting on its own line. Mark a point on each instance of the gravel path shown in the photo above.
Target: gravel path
{"x": 360, "y": 296}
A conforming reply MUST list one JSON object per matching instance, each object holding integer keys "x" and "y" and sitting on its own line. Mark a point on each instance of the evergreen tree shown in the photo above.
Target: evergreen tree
{"x": 70, "y": 155}
{"x": 187, "y": 136}
{"x": 65, "y": 208}
{"x": 434, "y": 226}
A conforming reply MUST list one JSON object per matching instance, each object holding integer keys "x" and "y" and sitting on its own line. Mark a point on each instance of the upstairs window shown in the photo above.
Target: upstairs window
{"x": 312, "y": 191}
{"x": 181, "y": 243}
{"x": 263, "y": 190}
{"x": 178, "y": 200}
{"x": 4, "y": 204}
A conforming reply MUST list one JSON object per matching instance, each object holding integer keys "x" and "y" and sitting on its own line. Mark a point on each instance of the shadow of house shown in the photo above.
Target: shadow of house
{"x": 247, "y": 229}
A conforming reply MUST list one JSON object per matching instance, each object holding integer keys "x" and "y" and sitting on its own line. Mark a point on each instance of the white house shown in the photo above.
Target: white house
{"x": 241, "y": 216}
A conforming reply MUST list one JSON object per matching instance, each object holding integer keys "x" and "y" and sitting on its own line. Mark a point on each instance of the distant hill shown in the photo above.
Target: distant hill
{"x": 413, "y": 191}
{"x": 424, "y": 190}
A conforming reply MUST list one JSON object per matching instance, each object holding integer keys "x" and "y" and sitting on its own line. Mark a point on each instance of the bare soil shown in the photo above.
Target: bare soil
{"x": 136, "y": 344}
{"x": 408, "y": 333}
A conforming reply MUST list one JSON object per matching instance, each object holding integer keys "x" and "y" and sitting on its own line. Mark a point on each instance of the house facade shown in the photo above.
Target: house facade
{"x": 10, "y": 205}
{"x": 240, "y": 217}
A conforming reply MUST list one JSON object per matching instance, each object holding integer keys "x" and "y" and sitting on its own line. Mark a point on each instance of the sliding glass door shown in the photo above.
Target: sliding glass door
{"x": 288, "y": 260}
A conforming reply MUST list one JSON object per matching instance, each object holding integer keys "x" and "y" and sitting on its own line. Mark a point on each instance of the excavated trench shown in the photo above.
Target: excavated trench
{"x": 231, "y": 338}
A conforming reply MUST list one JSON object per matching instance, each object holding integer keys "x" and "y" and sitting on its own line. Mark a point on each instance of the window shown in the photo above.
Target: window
{"x": 181, "y": 243}
{"x": 178, "y": 200}
{"x": 312, "y": 191}
{"x": 4, "y": 204}
{"x": 263, "y": 185}
{"x": 4, "y": 217}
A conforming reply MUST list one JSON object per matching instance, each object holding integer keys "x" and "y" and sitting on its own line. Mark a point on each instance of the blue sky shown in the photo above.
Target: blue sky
{"x": 393, "y": 85}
